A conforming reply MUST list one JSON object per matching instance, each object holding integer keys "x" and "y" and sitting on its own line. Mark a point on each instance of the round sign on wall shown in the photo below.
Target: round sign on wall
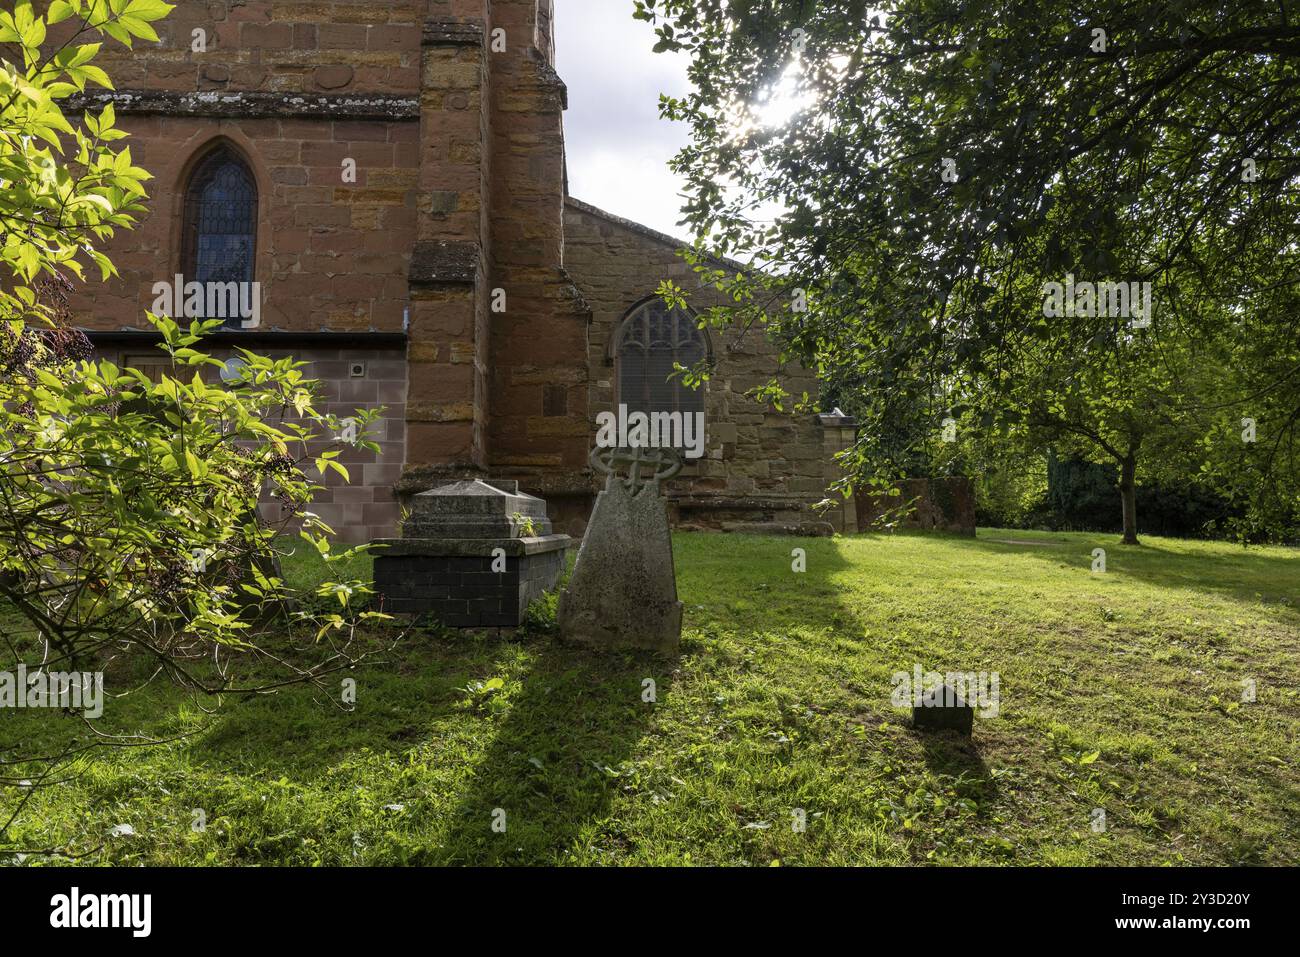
{"x": 233, "y": 370}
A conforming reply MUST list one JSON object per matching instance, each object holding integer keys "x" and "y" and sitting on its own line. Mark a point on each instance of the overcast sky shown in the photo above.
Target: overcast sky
{"x": 617, "y": 145}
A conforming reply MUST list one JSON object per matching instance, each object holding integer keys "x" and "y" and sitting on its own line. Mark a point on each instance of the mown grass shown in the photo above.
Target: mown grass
{"x": 779, "y": 701}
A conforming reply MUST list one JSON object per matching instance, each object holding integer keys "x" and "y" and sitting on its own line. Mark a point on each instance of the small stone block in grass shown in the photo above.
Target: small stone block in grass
{"x": 944, "y": 709}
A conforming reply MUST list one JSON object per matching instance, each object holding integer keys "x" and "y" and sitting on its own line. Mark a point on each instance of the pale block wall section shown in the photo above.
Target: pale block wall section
{"x": 361, "y": 509}
{"x": 760, "y": 465}
{"x": 364, "y": 508}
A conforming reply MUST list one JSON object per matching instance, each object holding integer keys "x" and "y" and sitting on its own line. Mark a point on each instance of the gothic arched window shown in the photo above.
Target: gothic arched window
{"x": 220, "y": 225}
{"x": 650, "y": 341}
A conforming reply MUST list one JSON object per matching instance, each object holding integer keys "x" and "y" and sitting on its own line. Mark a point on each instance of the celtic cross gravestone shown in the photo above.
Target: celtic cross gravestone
{"x": 623, "y": 593}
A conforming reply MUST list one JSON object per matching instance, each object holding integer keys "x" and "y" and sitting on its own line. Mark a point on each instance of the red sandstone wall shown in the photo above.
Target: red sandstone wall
{"x": 540, "y": 339}
{"x": 276, "y": 45}
{"x": 478, "y": 374}
{"x": 330, "y": 254}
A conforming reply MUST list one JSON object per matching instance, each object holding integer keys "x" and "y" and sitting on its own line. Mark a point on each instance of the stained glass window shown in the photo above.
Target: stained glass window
{"x": 651, "y": 339}
{"x": 220, "y": 221}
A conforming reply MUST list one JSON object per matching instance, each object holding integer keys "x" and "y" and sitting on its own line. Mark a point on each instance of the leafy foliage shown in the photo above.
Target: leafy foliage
{"x": 934, "y": 163}
{"x": 132, "y": 505}
{"x": 130, "y": 526}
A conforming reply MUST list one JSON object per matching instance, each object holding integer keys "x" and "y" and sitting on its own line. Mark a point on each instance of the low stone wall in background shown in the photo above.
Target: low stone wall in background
{"x": 944, "y": 504}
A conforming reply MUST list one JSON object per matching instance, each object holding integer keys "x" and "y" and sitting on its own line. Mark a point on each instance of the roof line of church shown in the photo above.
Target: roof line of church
{"x": 646, "y": 231}
{"x": 628, "y": 223}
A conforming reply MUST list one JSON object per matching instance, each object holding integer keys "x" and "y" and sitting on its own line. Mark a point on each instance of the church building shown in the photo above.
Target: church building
{"x": 391, "y": 175}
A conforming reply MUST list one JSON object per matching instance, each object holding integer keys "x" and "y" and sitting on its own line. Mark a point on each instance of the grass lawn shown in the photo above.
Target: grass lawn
{"x": 779, "y": 700}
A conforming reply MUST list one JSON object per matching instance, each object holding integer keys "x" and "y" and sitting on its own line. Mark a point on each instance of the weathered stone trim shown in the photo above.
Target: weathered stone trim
{"x": 554, "y": 92}
{"x": 467, "y": 32}
{"x": 691, "y": 502}
{"x": 261, "y": 338}
{"x": 444, "y": 262}
{"x": 836, "y": 420}
{"x": 251, "y": 105}
{"x": 400, "y": 547}
{"x": 799, "y": 529}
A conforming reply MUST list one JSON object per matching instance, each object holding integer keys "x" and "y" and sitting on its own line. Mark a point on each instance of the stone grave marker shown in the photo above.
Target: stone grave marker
{"x": 944, "y": 708}
{"x": 475, "y": 553}
{"x": 623, "y": 593}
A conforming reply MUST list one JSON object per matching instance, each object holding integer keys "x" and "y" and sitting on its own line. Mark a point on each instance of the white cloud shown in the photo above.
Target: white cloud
{"x": 618, "y": 147}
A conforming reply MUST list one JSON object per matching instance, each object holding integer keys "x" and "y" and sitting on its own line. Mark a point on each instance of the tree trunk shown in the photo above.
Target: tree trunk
{"x": 1128, "y": 496}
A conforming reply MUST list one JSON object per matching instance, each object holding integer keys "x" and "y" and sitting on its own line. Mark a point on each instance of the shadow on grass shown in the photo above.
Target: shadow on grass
{"x": 302, "y": 731}
{"x": 566, "y": 743}
{"x": 750, "y": 581}
{"x": 556, "y": 759}
{"x": 957, "y": 756}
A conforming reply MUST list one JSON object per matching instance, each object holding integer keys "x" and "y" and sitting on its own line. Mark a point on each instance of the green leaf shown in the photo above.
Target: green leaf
{"x": 59, "y": 11}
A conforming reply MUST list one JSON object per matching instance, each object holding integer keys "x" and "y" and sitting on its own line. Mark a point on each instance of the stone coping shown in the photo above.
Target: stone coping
{"x": 429, "y": 531}
{"x": 473, "y": 499}
{"x": 646, "y": 231}
{"x": 798, "y": 529}
{"x": 453, "y": 31}
{"x": 252, "y": 104}
{"x": 271, "y": 338}
{"x": 513, "y": 547}
{"x": 688, "y": 502}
